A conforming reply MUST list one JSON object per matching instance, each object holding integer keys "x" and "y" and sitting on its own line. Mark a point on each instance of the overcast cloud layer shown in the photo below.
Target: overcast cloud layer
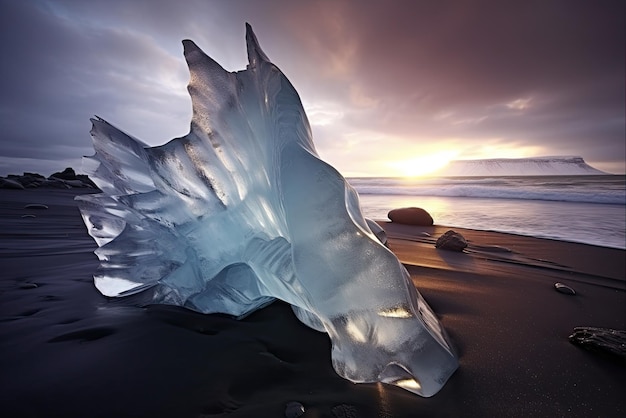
{"x": 383, "y": 82}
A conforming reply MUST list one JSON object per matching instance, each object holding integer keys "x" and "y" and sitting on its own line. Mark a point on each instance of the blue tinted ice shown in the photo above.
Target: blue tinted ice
{"x": 241, "y": 211}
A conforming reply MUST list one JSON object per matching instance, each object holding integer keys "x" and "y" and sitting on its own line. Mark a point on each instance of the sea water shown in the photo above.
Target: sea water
{"x": 587, "y": 209}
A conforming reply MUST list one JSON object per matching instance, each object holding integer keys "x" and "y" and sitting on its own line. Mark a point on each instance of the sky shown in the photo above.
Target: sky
{"x": 390, "y": 87}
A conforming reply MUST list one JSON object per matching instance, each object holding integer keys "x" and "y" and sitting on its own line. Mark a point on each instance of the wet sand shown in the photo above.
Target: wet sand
{"x": 65, "y": 350}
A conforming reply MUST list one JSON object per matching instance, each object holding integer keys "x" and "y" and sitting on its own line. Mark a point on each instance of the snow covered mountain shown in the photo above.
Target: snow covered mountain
{"x": 536, "y": 166}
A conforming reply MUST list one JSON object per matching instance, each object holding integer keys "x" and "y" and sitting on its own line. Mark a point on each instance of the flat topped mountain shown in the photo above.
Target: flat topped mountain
{"x": 536, "y": 166}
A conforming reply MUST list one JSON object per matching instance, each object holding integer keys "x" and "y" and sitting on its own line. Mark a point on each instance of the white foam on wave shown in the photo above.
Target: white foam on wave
{"x": 550, "y": 189}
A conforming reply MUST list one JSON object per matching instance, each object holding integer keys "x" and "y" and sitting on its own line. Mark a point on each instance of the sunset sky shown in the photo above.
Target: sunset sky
{"x": 390, "y": 87}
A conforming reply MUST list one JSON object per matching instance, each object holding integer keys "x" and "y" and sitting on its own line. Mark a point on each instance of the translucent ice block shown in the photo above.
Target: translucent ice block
{"x": 242, "y": 211}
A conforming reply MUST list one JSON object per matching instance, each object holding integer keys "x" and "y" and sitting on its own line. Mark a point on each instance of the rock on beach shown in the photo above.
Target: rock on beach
{"x": 410, "y": 216}
{"x": 452, "y": 241}
{"x": 66, "y": 179}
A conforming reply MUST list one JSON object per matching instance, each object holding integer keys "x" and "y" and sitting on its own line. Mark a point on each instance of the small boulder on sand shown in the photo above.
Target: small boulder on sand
{"x": 452, "y": 241}
{"x": 411, "y": 216}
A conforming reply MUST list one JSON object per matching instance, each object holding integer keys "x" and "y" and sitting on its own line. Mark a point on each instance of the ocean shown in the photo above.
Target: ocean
{"x": 587, "y": 209}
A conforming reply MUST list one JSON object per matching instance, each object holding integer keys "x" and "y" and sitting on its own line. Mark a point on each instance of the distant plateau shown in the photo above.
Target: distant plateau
{"x": 536, "y": 166}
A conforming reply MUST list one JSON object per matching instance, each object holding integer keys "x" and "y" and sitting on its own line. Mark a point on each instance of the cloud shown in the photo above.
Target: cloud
{"x": 379, "y": 79}
{"x": 468, "y": 61}
{"x": 60, "y": 72}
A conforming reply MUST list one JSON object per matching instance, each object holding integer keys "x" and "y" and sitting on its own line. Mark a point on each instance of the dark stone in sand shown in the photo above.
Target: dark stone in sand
{"x": 452, "y": 241}
{"x": 606, "y": 341}
{"x": 28, "y": 286}
{"x": 410, "y": 216}
{"x": 562, "y": 288}
{"x": 36, "y": 206}
{"x": 294, "y": 410}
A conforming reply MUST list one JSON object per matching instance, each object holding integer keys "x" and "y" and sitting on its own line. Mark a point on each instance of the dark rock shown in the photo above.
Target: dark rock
{"x": 78, "y": 183}
{"x": 562, "y": 288}
{"x": 66, "y": 179}
{"x": 36, "y": 206}
{"x": 34, "y": 175}
{"x": 56, "y": 183}
{"x": 75, "y": 183}
{"x": 605, "y": 341}
{"x": 6, "y": 183}
{"x": 86, "y": 181}
{"x": 452, "y": 241}
{"x": 294, "y": 410}
{"x": 410, "y": 216}
{"x": 30, "y": 183}
{"x": 28, "y": 286}
{"x": 67, "y": 174}
{"x": 29, "y": 180}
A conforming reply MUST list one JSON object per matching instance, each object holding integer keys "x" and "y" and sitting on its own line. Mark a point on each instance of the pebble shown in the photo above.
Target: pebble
{"x": 294, "y": 410}
{"x": 601, "y": 340}
{"x": 560, "y": 287}
{"x": 36, "y": 206}
{"x": 28, "y": 286}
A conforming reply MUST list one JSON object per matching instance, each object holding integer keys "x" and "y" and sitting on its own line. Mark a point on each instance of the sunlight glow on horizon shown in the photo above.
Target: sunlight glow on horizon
{"x": 422, "y": 165}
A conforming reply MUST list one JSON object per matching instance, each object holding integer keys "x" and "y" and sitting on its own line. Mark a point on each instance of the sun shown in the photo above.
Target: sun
{"x": 423, "y": 165}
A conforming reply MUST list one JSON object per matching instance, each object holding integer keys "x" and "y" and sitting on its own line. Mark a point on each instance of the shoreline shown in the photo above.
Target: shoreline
{"x": 73, "y": 192}
{"x": 473, "y": 231}
{"x": 68, "y": 351}
{"x": 575, "y": 211}
{"x": 566, "y": 256}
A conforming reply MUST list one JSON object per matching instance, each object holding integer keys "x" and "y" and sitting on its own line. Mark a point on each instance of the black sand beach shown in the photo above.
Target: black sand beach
{"x": 67, "y": 351}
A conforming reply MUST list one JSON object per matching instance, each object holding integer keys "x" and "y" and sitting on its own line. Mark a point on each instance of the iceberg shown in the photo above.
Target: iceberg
{"x": 242, "y": 211}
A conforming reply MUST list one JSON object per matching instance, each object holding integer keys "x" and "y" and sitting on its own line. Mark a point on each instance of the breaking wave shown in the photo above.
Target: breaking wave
{"x": 581, "y": 189}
